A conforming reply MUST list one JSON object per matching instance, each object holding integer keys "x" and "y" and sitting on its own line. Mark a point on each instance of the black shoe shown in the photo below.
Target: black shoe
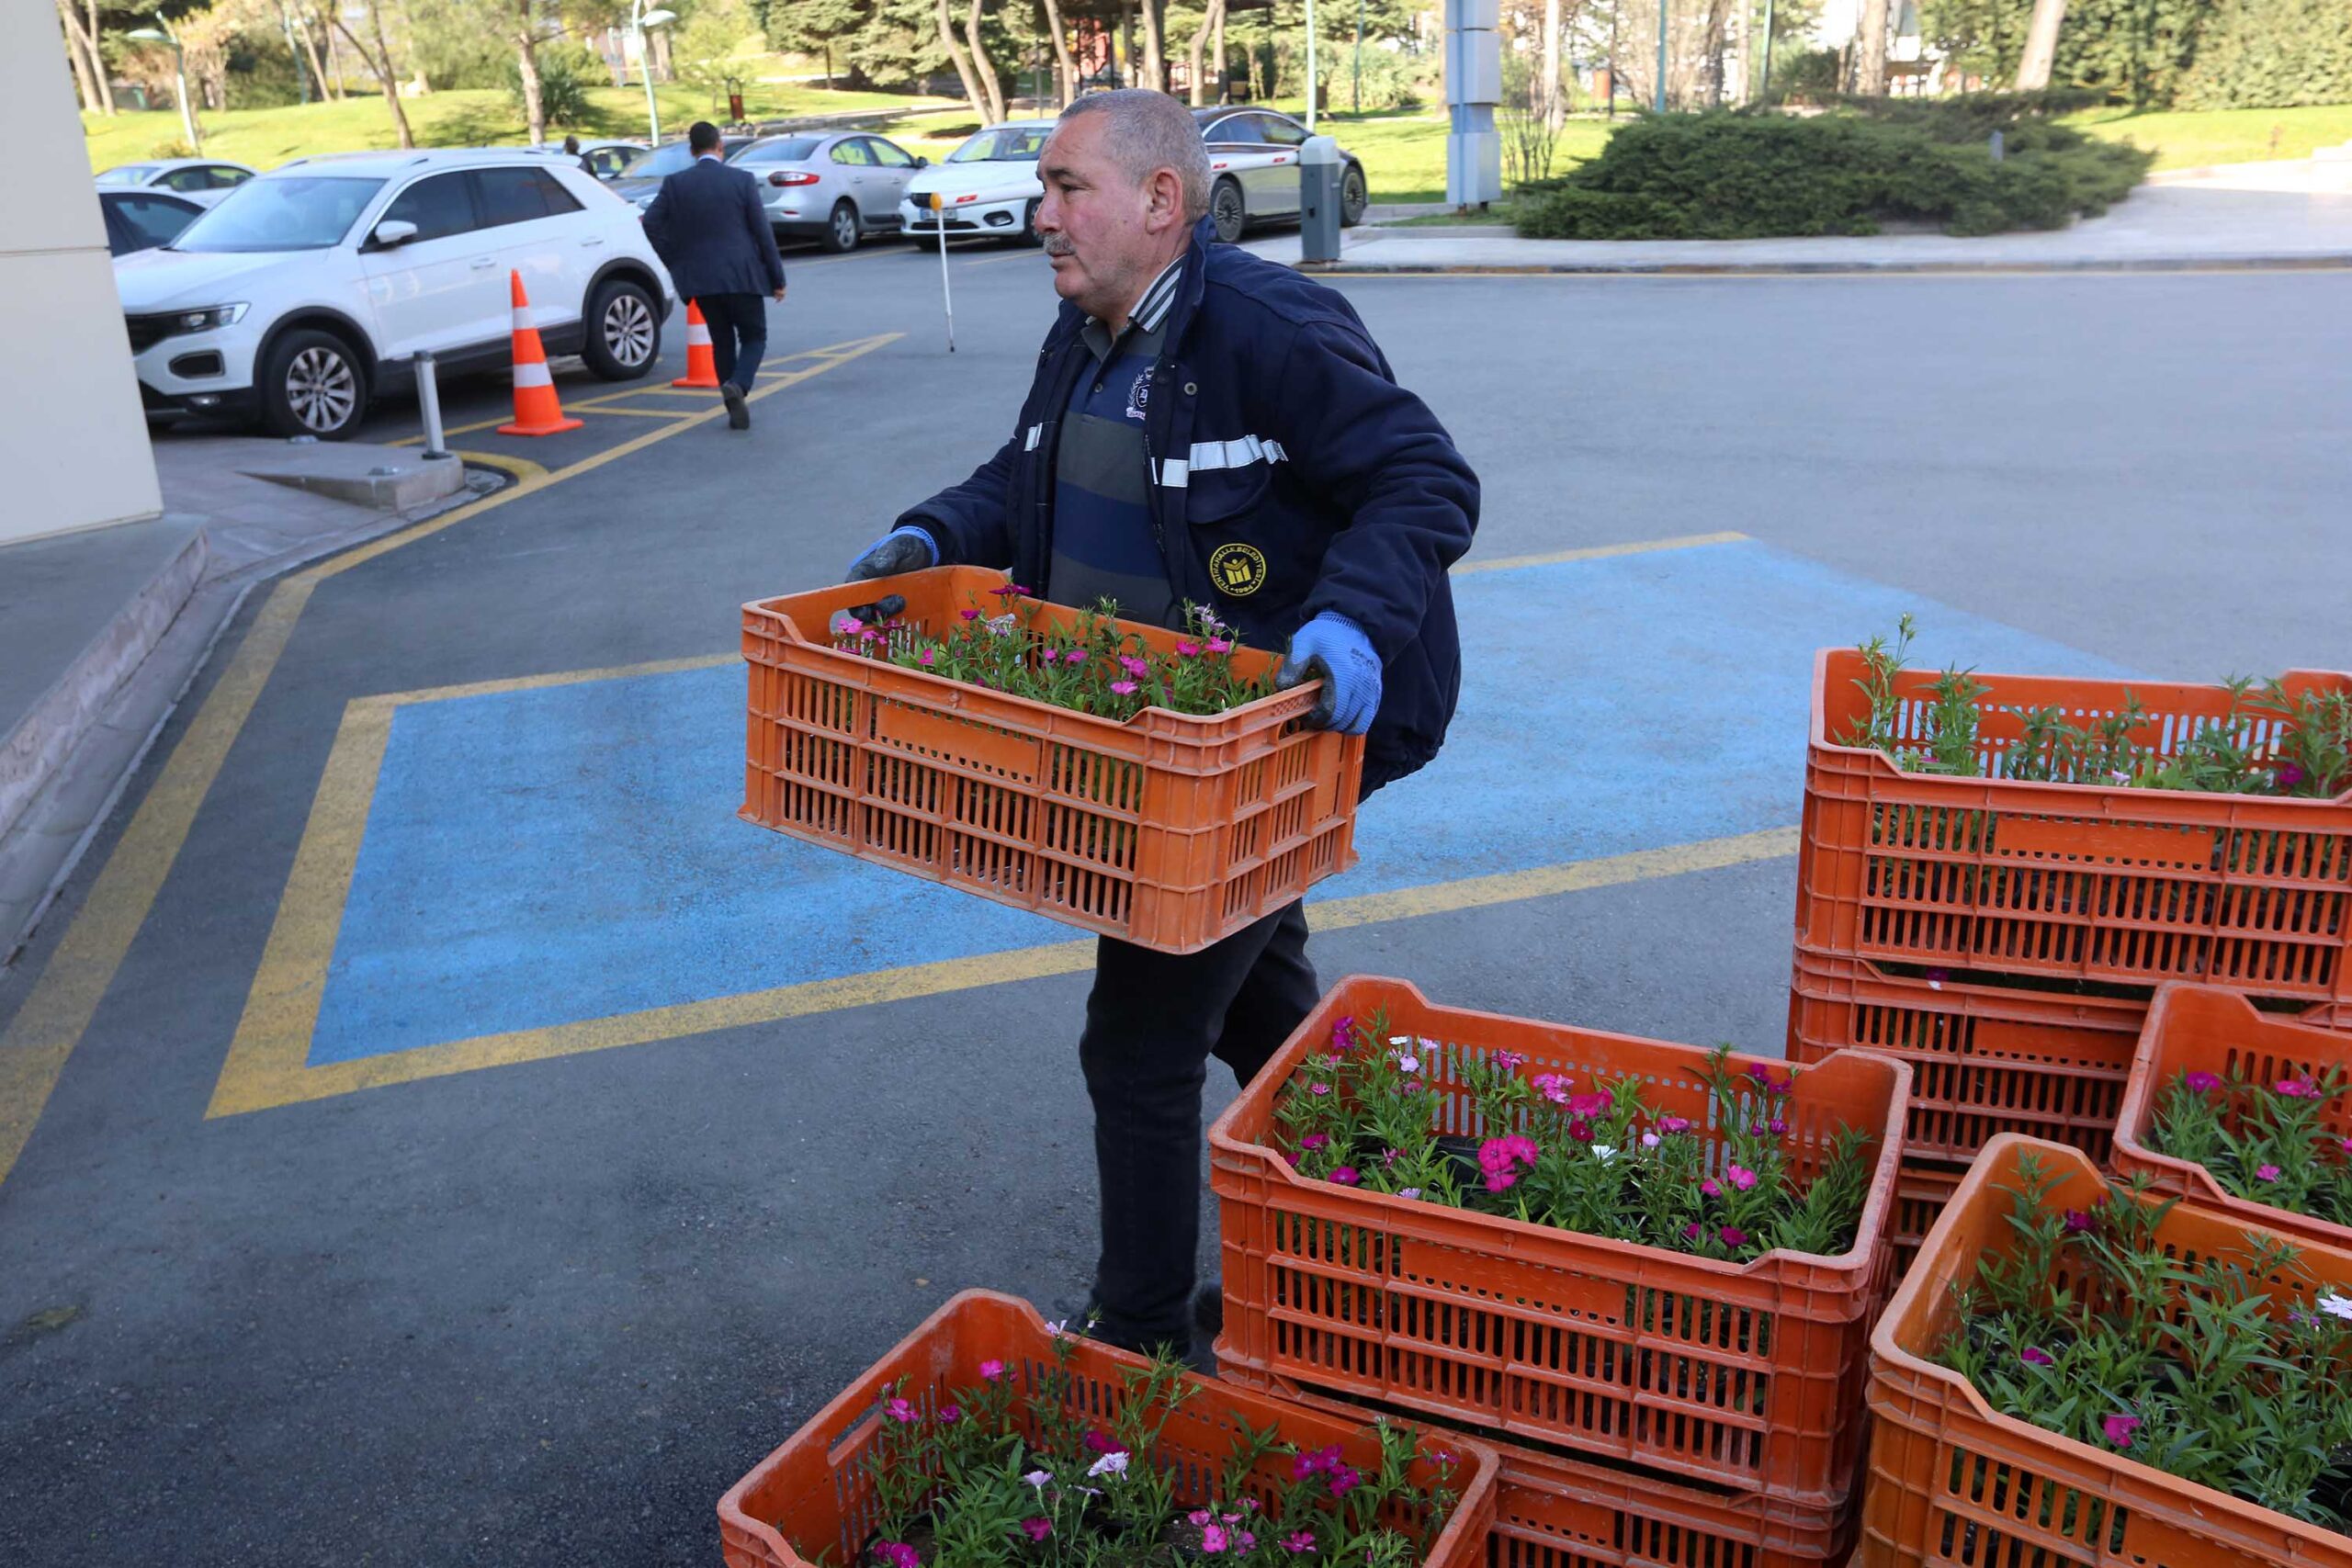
{"x": 1086, "y": 1321}
{"x": 1208, "y": 1311}
{"x": 739, "y": 417}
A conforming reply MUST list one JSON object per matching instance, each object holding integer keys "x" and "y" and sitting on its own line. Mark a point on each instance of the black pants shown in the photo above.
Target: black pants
{"x": 736, "y": 320}
{"x": 1152, "y": 1023}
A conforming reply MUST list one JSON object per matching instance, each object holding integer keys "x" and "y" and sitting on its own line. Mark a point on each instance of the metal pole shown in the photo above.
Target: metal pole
{"x": 645, "y": 68}
{"x": 301, "y": 77}
{"x": 946, "y": 292}
{"x": 428, "y": 399}
{"x": 1311, "y": 64}
{"x": 1660, "y": 95}
{"x": 1764, "y": 88}
{"x": 188, "y": 110}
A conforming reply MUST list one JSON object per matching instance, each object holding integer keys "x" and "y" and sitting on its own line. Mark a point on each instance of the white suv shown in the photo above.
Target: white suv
{"x": 306, "y": 291}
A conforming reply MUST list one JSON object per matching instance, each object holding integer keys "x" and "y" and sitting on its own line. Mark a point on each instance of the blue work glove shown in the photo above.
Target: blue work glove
{"x": 906, "y": 548}
{"x": 1330, "y": 649}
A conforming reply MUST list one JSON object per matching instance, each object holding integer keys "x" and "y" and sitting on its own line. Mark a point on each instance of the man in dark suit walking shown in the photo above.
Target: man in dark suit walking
{"x": 710, "y": 231}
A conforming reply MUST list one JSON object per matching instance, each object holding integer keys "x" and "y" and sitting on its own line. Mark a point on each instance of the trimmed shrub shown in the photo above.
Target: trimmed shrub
{"x": 1743, "y": 175}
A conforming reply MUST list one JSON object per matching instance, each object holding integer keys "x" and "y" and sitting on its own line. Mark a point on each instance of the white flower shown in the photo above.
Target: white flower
{"x": 1038, "y": 1478}
{"x": 1400, "y": 1040}
{"x": 2335, "y": 1306}
{"x": 1112, "y": 1463}
{"x": 1058, "y": 1326}
{"x": 1603, "y": 1153}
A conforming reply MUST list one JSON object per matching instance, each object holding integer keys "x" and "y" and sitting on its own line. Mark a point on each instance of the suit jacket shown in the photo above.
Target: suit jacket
{"x": 708, "y": 228}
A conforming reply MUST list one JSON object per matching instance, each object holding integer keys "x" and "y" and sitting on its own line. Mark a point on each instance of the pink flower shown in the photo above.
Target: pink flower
{"x": 2202, "y": 1083}
{"x": 1313, "y": 1140}
{"x": 1298, "y": 1542}
{"x": 1133, "y": 666}
{"x": 969, "y": 614}
{"x": 1343, "y": 1479}
{"x": 1346, "y": 1175}
{"x": 1389, "y": 1156}
{"x": 2265, "y": 1173}
{"x": 992, "y": 1371}
{"x": 1732, "y": 1235}
{"x": 1318, "y": 1089}
{"x": 1671, "y": 1125}
{"x": 1075, "y": 656}
{"x": 1099, "y": 1441}
{"x": 1188, "y": 650}
{"x": 1649, "y": 1140}
{"x": 1123, "y": 688}
{"x": 1501, "y": 1157}
{"x": 1581, "y": 1130}
{"x": 902, "y": 1412}
{"x": 1739, "y": 1176}
{"x": 2119, "y": 1429}
{"x": 1779, "y": 1128}
{"x": 1038, "y": 1529}
{"x": 1509, "y": 1061}
{"x": 1313, "y": 1463}
{"x": 898, "y": 1554}
{"x": 2289, "y": 775}
{"x": 2077, "y": 1221}
{"x": 2035, "y": 1358}
{"x": 1591, "y": 1104}
{"x": 1693, "y": 1230}
{"x": 1762, "y": 1075}
{"x": 1552, "y": 1086}
{"x": 1212, "y": 1537}
{"x": 950, "y": 1414}
{"x": 930, "y": 656}
{"x": 1218, "y": 645}
{"x": 850, "y": 625}
{"x": 1711, "y": 1188}
{"x": 2296, "y": 1089}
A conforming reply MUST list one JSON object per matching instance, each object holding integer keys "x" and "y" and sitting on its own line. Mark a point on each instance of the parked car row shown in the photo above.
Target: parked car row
{"x": 311, "y": 291}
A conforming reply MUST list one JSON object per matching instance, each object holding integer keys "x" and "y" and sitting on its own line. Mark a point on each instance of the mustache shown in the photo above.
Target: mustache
{"x": 1059, "y": 245}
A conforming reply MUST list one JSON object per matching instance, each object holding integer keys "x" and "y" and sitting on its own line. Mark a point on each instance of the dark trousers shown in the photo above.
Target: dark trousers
{"x": 739, "y": 334}
{"x": 1152, "y": 1023}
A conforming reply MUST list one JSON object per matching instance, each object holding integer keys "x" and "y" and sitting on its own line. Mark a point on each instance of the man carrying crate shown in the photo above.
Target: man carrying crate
{"x": 1207, "y": 428}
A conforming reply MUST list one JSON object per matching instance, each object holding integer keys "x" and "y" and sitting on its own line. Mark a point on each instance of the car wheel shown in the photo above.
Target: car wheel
{"x": 1228, "y": 211}
{"x": 1353, "y": 198}
{"x": 840, "y": 230}
{"x": 623, "y": 332}
{"x": 1029, "y": 235}
{"x": 312, "y": 384}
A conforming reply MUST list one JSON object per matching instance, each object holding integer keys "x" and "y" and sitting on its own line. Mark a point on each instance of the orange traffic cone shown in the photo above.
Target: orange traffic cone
{"x": 701, "y": 370}
{"x": 537, "y": 410}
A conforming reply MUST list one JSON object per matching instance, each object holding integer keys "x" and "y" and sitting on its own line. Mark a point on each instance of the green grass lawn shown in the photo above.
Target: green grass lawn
{"x": 472, "y": 118}
{"x": 2224, "y": 136}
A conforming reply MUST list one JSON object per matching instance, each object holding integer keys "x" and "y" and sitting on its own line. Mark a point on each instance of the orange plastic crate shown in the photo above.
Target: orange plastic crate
{"x": 2073, "y": 881}
{"x": 810, "y": 1501}
{"x": 1955, "y": 1484}
{"x": 1984, "y": 1059}
{"x": 1739, "y": 1375}
{"x": 1552, "y": 1511}
{"x": 1169, "y": 831}
{"x": 2201, "y": 1029}
{"x": 1920, "y": 1194}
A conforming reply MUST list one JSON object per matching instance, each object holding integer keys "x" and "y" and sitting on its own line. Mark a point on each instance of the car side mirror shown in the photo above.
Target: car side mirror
{"x": 922, "y": 162}
{"x": 394, "y": 232}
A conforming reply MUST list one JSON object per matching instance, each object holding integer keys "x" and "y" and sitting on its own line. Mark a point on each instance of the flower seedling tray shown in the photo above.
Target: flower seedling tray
{"x": 2194, "y": 1028}
{"x": 811, "y": 1500}
{"x": 1740, "y": 1375}
{"x": 1955, "y": 1483}
{"x": 1168, "y": 830}
{"x": 2075, "y": 880}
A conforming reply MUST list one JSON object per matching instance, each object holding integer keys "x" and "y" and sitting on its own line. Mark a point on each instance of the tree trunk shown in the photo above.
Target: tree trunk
{"x": 1869, "y": 50}
{"x": 2040, "y": 45}
{"x": 527, "y": 66}
{"x": 962, "y": 61}
{"x": 1219, "y": 44}
{"x": 1212, "y": 20}
{"x": 982, "y": 66}
{"x": 1551, "y": 104}
{"x": 1065, "y": 68}
{"x": 1155, "y": 55}
{"x": 84, "y": 83}
{"x": 92, "y": 33}
{"x": 381, "y": 64}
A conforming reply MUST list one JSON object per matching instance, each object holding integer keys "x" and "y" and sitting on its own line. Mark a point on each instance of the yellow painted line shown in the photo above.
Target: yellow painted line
{"x": 633, "y": 413}
{"x": 556, "y": 678}
{"x": 267, "y": 1065}
{"x": 1597, "y": 552}
{"x": 37, "y": 1040}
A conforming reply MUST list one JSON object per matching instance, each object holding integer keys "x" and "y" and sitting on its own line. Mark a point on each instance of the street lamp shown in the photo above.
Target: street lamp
{"x": 180, "y": 73}
{"x": 640, "y": 18}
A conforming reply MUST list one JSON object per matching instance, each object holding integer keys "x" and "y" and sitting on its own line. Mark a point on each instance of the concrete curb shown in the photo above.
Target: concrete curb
{"x": 2325, "y": 261}
{"x": 33, "y": 752}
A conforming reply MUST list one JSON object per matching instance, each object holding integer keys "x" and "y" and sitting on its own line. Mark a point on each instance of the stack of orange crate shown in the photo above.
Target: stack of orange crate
{"x": 2006, "y": 937}
{"x": 1650, "y": 1407}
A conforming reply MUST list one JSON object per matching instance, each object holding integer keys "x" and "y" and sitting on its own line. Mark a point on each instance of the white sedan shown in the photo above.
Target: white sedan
{"x": 1253, "y": 169}
{"x": 202, "y": 180}
{"x": 986, "y": 186}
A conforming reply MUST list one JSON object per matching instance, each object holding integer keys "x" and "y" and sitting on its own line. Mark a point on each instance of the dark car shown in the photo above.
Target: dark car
{"x": 642, "y": 179}
{"x": 142, "y": 219}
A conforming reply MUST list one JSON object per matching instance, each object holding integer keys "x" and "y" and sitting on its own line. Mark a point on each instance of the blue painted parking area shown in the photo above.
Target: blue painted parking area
{"x": 538, "y": 857}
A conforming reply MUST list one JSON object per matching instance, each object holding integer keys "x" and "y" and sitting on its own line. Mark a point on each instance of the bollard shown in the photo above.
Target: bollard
{"x": 428, "y": 399}
{"x": 1320, "y": 170}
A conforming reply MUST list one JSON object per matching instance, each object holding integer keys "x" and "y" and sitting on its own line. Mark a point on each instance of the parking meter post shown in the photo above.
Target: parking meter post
{"x": 428, "y": 399}
{"x": 1320, "y": 172}
{"x": 946, "y": 290}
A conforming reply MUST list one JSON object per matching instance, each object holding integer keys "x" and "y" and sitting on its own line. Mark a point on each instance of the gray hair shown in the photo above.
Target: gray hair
{"x": 1147, "y": 133}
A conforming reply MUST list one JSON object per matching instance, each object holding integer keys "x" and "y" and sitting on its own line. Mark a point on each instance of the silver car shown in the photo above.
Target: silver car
{"x": 833, "y": 187}
{"x": 202, "y": 180}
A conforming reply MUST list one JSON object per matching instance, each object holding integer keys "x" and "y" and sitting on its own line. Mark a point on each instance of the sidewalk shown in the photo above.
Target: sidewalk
{"x": 101, "y": 631}
{"x": 2247, "y": 222}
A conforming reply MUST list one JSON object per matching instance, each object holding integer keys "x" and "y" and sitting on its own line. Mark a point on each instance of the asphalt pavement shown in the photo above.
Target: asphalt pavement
{"x": 447, "y": 1136}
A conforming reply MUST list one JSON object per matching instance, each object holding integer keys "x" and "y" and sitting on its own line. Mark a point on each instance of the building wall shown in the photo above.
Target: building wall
{"x": 74, "y": 450}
